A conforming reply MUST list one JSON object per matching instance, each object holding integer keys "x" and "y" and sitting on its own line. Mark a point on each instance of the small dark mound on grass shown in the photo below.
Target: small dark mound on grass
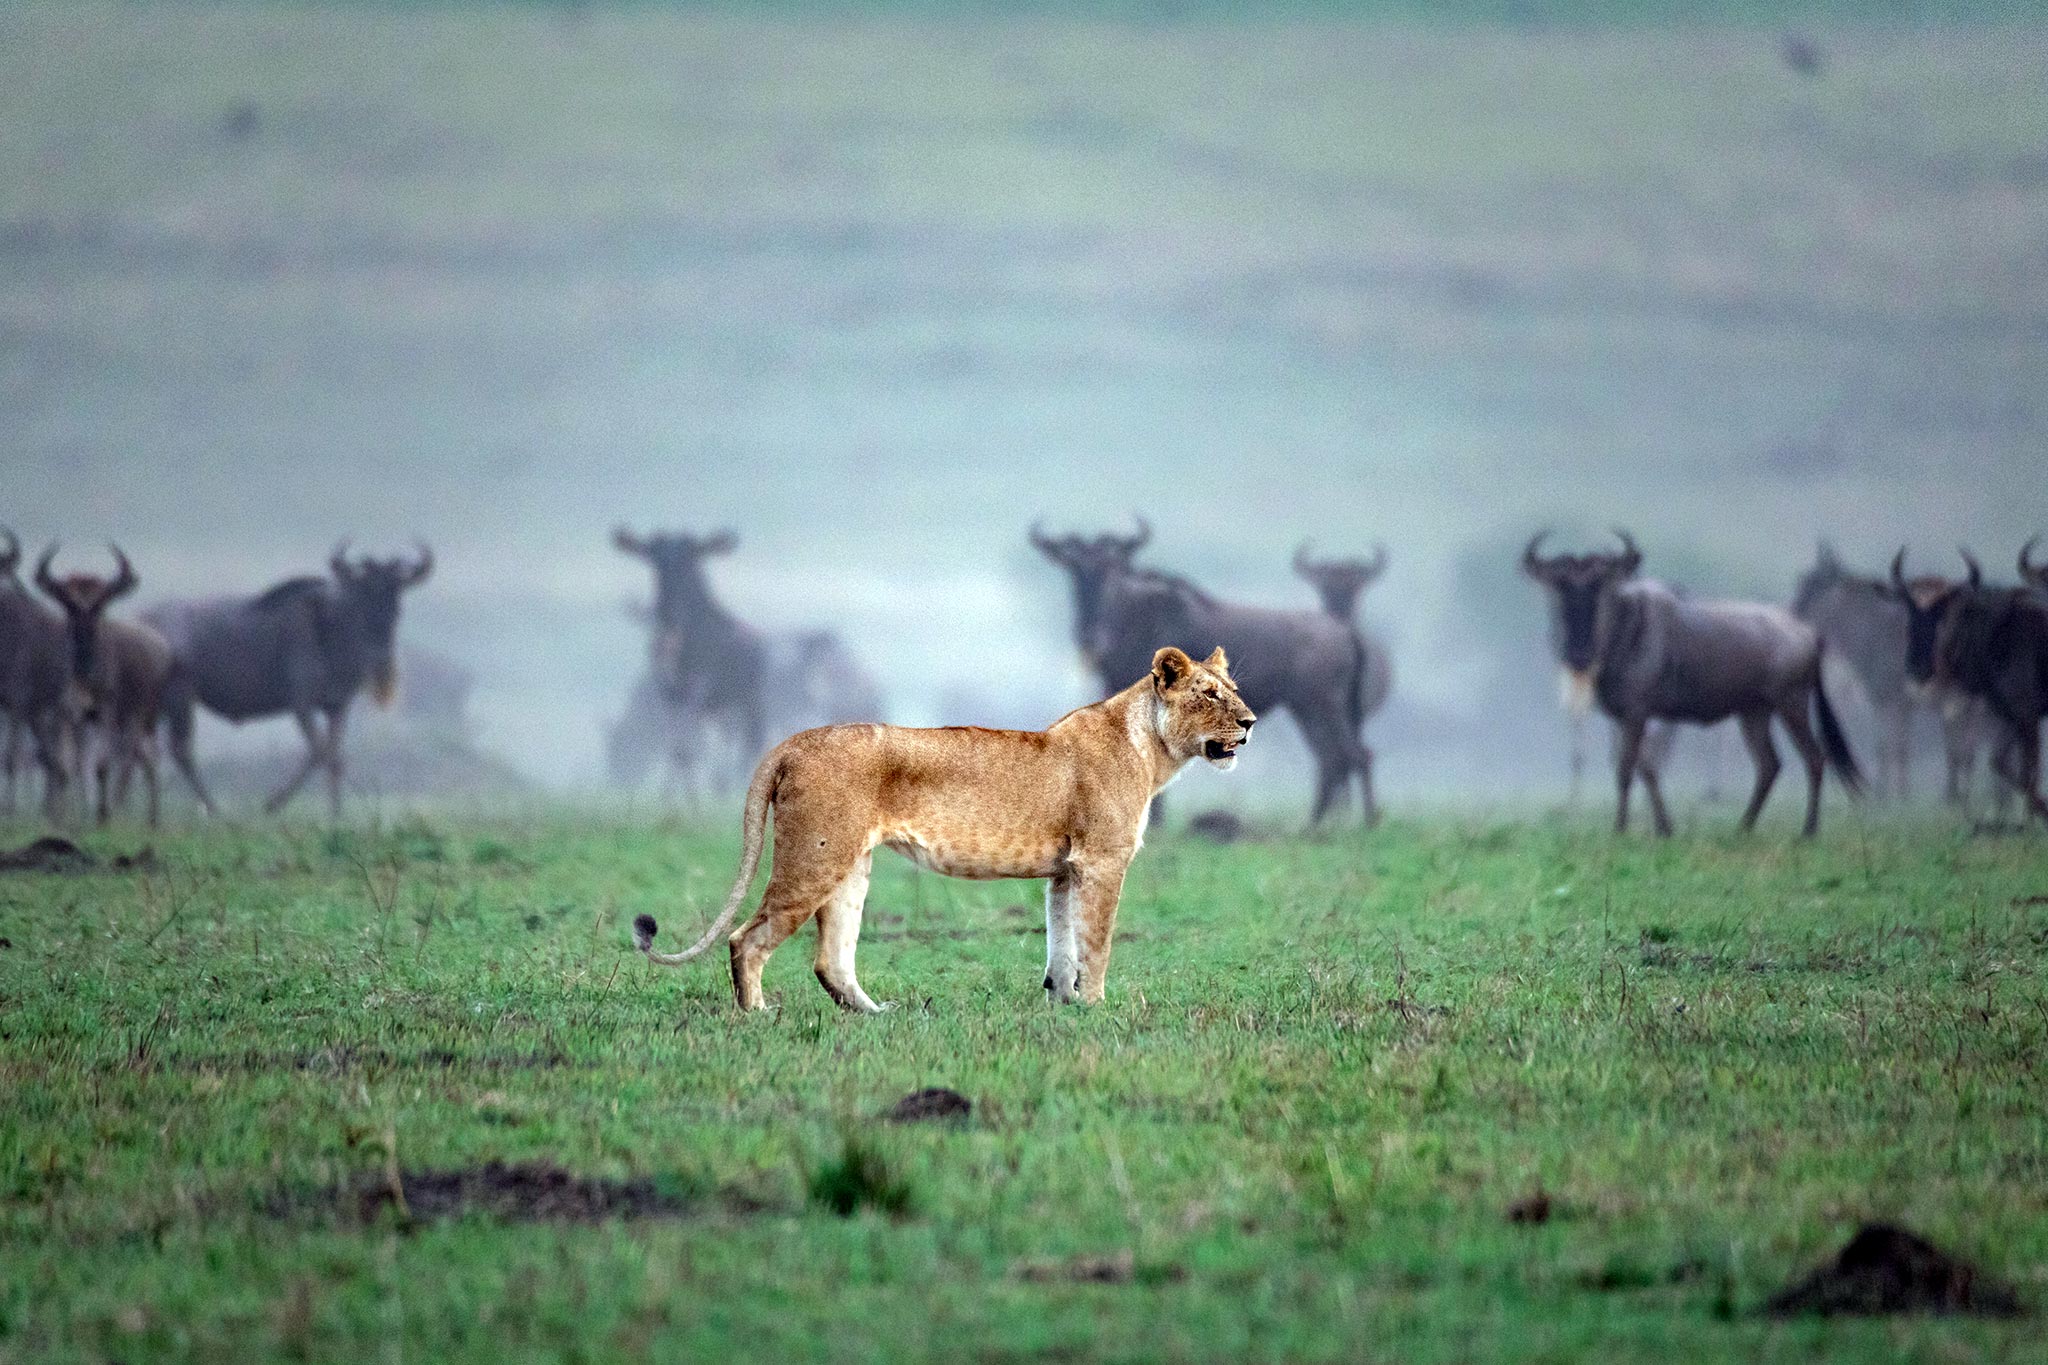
{"x": 1531, "y": 1210}
{"x": 54, "y": 854}
{"x": 47, "y": 854}
{"x": 1887, "y": 1269}
{"x": 1218, "y": 827}
{"x": 530, "y": 1192}
{"x": 934, "y": 1102}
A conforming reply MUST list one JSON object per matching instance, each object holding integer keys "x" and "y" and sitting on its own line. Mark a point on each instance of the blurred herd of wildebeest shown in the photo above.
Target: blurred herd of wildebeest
{"x": 93, "y": 696}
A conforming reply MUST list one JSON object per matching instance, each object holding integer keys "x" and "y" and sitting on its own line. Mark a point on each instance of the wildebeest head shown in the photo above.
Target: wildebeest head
{"x": 1339, "y": 582}
{"x": 85, "y": 598}
{"x": 2033, "y": 575}
{"x": 677, "y": 560}
{"x": 371, "y": 588}
{"x": 1830, "y": 575}
{"x": 1928, "y": 601}
{"x": 1582, "y": 590}
{"x": 1090, "y": 562}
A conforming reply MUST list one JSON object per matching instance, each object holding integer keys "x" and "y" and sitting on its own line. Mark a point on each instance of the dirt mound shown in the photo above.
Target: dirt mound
{"x": 935, "y": 1102}
{"x": 53, "y": 854}
{"x": 533, "y": 1192}
{"x": 1886, "y": 1269}
{"x": 1218, "y": 827}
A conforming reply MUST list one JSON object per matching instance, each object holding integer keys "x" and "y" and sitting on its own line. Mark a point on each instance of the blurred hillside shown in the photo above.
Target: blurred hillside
{"x": 877, "y": 287}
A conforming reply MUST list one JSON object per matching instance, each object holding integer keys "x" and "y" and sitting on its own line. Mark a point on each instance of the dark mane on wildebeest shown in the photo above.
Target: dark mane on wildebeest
{"x": 303, "y": 647}
{"x": 1300, "y": 661}
{"x": 1650, "y": 654}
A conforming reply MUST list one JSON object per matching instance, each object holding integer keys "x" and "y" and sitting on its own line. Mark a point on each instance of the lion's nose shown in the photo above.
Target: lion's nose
{"x": 1247, "y": 723}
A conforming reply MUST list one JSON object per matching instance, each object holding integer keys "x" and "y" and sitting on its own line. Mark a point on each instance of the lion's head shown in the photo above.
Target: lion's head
{"x": 1199, "y": 710}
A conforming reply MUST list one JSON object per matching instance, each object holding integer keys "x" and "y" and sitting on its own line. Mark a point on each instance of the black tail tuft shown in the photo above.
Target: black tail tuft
{"x": 1836, "y": 743}
{"x": 643, "y": 932}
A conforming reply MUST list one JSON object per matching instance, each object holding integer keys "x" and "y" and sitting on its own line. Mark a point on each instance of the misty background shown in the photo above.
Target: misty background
{"x": 875, "y": 286}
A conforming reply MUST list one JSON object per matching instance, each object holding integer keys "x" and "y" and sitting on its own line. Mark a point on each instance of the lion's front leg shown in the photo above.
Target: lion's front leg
{"x": 1062, "y": 956}
{"x": 1096, "y": 893}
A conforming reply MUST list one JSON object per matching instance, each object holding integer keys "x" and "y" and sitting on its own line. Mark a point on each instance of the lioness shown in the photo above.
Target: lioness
{"x": 1066, "y": 803}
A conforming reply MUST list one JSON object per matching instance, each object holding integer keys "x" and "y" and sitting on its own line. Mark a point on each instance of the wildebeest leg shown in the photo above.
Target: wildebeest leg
{"x": 10, "y": 758}
{"x": 337, "y": 723}
{"x": 316, "y": 750}
{"x": 1800, "y": 727}
{"x": 49, "y": 743}
{"x": 2016, "y": 768}
{"x": 1628, "y": 752}
{"x": 1959, "y": 744}
{"x": 179, "y": 728}
{"x": 1901, "y": 727}
{"x": 1650, "y": 763}
{"x": 1756, "y": 733}
{"x": 1062, "y": 956}
{"x": 1333, "y": 766}
{"x": 838, "y": 931}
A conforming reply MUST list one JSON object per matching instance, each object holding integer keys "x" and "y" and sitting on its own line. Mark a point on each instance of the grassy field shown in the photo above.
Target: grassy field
{"x": 1325, "y": 1073}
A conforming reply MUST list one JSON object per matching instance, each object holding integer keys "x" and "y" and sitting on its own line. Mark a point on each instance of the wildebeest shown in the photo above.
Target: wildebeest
{"x": 35, "y": 671}
{"x": 1864, "y": 626}
{"x": 302, "y": 648}
{"x": 707, "y": 666}
{"x": 1649, "y": 654}
{"x": 1991, "y": 643}
{"x": 119, "y": 672}
{"x": 1339, "y": 583}
{"x": 1298, "y": 661}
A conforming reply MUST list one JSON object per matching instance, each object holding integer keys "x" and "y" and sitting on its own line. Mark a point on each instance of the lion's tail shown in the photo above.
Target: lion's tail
{"x": 753, "y": 828}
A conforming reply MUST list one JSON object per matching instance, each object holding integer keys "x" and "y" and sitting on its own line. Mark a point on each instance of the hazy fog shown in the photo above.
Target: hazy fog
{"x": 876, "y": 291}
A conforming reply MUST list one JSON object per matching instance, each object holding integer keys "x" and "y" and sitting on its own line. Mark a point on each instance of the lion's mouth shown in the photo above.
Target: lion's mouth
{"x": 1217, "y": 749}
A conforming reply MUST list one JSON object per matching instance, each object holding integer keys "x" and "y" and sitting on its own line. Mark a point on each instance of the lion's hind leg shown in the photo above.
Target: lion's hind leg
{"x": 838, "y": 932}
{"x": 791, "y": 899}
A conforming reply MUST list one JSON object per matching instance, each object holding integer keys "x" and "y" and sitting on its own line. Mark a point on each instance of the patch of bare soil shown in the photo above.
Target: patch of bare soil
{"x": 52, "y": 853}
{"x": 1114, "y": 1267}
{"x": 1218, "y": 827}
{"x": 933, "y": 1102}
{"x": 530, "y": 1192}
{"x": 1886, "y": 1269}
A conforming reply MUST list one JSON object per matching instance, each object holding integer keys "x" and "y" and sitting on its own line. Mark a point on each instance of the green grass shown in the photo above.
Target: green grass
{"x": 1323, "y": 1073}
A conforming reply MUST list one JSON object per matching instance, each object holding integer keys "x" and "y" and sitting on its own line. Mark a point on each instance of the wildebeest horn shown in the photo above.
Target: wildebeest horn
{"x": 124, "y": 580}
{"x": 627, "y": 541}
{"x": 1040, "y": 541}
{"x": 1976, "y": 573}
{"x": 1302, "y": 563}
{"x": 421, "y": 567}
{"x": 1899, "y": 570}
{"x": 2028, "y": 568}
{"x": 12, "y": 555}
{"x": 1379, "y": 561}
{"x": 1629, "y": 552}
{"x": 338, "y": 561}
{"x": 719, "y": 542}
{"x": 1532, "y": 563}
{"x": 43, "y": 578}
{"x": 1133, "y": 544}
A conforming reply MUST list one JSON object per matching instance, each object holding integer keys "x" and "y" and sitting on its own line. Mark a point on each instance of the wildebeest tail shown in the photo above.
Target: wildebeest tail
{"x": 753, "y": 830}
{"x": 1835, "y": 742}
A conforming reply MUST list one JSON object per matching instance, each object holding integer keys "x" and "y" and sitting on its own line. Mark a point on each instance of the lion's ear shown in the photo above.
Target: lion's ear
{"x": 1218, "y": 660}
{"x": 1169, "y": 666}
